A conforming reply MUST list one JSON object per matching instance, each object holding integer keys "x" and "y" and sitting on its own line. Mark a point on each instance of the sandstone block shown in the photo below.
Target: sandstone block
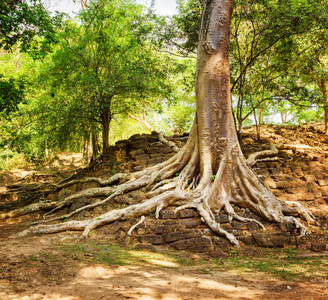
{"x": 152, "y": 239}
{"x": 173, "y": 236}
{"x": 168, "y": 214}
{"x": 262, "y": 240}
{"x": 187, "y": 213}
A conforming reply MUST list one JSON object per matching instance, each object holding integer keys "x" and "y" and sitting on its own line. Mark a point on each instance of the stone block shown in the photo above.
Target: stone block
{"x": 261, "y": 165}
{"x": 263, "y": 172}
{"x": 201, "y": 240}
{"x": 142, "y": 157}
{"x": 187, "y": 213}
{"x": 318, "y": 247}
{"x": 280, "y": 241}
{"x": 298, "y": 190}
{"x": 283, "y": 184}
{"x": 324, "y": 190}
{"x": 262, "y": 240}
{"x": 252, "y": 226}
{"x": 276, "y": 192}
{"x": 247, "y": 240}
{"x": 115, "y": 227}
{"x": 145, "y": 246}
{"x": 239, "y": 225}
{"x": 192, "y": 233}
{"x": 222, "y": 218}
{"x": 201, "y": 248}
{"x": 309, "y": 178}
{"x": 323, "y": 182}
{"x": 270, "y": 183}
{"x": 189, "y": 223}
{"x": 182, "y": 244}
{"x": 173, "y": 236}
{"x": 276, "y": 171}
{"x": 162, "y": 229}
{"x": 135, "y": 153}
{"x": 298, "y": 171}
{"x": 168, "y": 214}
{"x": 152, "y": 239}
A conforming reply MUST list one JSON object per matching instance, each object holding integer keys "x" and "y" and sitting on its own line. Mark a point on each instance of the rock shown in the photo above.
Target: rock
{"x": 187, "y": 213}
{"x": 217, "y": 254}
{"x": 201, "y": 248}
{"x": 148, "y": 247}
{"x": 89, "y": 248}
{"x": 280, "y": 241}
{"x": 318, "y": 247}
{"x": 189, "y": 223}
{"x": 135, "y": 153}
{"x": 173, "y": 236}
{"x": 97, "y": 210}
{"x": 125, "y": 241}
{"x": 270, "y": 183}
{"x": 262, "y": 240}
{"x": 182, "y": 244}
{"x": 168, "y": 214}
{"x": 222, "y": 218}
{"x": 162, "y": 229}
{"x": 193, "y": 233}
{"x": 152, "y": 239}
{"x": 252, "y": 226}
{"x": 115, "y": 227}
{"x": 89, "y": 185}
{"x": 202, "y": 240}
{"x": 247, "y": 240}
{"x": 143, "y": 230}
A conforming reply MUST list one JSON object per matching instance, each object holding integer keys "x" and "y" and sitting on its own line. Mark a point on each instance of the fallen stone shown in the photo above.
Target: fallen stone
{"x": 182, "y": 244}
{"x": 148, "y": 247}
{"x": 262, "y": 240}
{"x": 201, "y": 248}
{"x": 115, "y": 227}
{"x": 318, "y": 247}
{"x": 152, "y": 239}
{"x": 222, "y": 218}
{"x": 189, "y": 223}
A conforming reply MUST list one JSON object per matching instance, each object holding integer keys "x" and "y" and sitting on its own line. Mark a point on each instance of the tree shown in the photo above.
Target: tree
{"x": 105, "y": 66}
{"x": 210, "y": 172}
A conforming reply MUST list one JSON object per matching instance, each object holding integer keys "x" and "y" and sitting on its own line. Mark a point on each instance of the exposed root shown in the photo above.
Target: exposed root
{"x": 257, "y": 156}
{"x": 135, "y": 225}
{"x": 207, "y": 215}
{"x": 118, "y": 214}
{"x": 109, "y": 181}
{"x": 168, "y": 143}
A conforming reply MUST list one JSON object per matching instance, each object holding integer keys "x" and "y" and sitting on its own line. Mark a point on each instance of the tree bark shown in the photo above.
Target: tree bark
{"x": 323, "y": 86}
{"x": 105, "y": 122}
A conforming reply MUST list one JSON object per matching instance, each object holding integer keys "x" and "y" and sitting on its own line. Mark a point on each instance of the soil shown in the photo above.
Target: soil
{"x": 45, "y": 267}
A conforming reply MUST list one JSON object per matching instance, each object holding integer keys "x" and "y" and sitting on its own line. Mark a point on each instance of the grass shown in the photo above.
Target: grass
{"x": 276, "y": 263}
{"x": 283, "y": 264}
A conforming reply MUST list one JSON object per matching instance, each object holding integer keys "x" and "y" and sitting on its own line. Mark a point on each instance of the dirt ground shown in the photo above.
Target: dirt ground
{"x": 61, "y": 266}
{"x": 40, "y": 267}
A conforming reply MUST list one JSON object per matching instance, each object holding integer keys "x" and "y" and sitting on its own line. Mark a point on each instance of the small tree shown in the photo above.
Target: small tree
{"x": 105, "y": 66}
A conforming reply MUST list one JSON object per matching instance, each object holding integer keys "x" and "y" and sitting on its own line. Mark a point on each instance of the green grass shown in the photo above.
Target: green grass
{"x": 274, "y": 263}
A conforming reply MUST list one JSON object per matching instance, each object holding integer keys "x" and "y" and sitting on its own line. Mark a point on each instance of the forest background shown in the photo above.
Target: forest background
{"x": 118, "y": 68}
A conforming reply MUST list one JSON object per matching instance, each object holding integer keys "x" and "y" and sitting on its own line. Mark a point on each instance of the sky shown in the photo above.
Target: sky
{"x": 162, "y": 7}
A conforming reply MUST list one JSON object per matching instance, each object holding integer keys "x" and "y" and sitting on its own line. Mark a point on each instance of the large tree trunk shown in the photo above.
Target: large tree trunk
{"x": 210, "y": 173}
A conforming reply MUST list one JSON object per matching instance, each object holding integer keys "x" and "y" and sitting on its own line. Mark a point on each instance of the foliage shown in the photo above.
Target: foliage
{"x": 11, "y": 94}
{"x": 22, "y": 21}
